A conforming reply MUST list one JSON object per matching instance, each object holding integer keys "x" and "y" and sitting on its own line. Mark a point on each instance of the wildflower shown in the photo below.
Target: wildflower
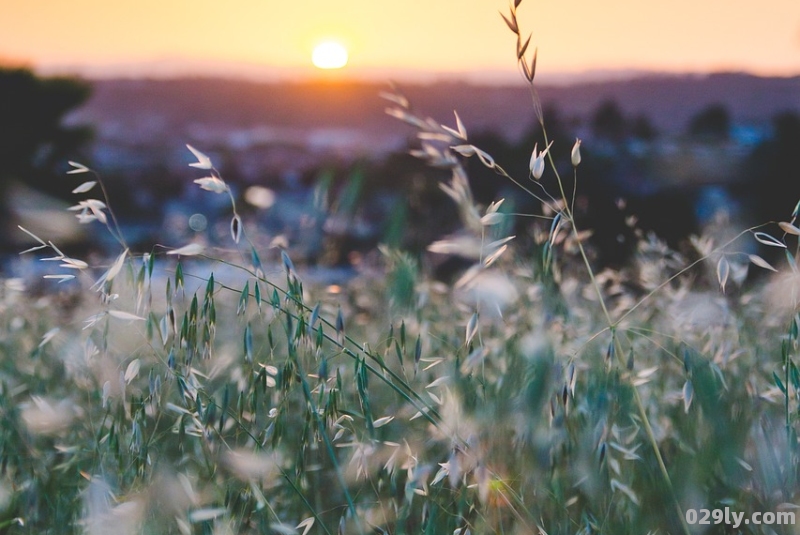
{"x": 192, "y": 249}
{"x": 203, "y": 161}
{"x": 79, "y": 168}
{"x": 90, "y": 205}
{"x": 576, "y": 153}
{"x": 471, "y": 150}
{"x": 537, "y": 161}
{"x": 493, "y": 217}
{"x": 212, "y": 183}
{"x": 86, "y": 186}
{"x": 460, "y": 133}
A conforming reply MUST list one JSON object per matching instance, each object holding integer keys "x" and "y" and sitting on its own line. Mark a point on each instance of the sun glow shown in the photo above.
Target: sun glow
{"x": 329, "y": 55}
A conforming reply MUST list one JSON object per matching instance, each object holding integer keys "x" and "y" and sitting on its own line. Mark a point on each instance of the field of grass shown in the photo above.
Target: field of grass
{"x": 207, "y": 390}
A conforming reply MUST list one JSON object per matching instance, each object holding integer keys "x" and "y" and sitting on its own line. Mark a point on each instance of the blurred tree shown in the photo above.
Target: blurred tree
{"x": 774, "y": 170}
{"x": 710, "y": 125}
{"x": 421, "y": 212}
{"x": 32, "y": 137}
{"x": 642, "y": 128}
{"x": 608, "y": 122}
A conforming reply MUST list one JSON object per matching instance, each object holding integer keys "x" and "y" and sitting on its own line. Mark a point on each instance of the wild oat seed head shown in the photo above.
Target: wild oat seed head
{"x": 536, "y": 165}
{"x": 212, "y": 183}
{"x": 203, "y": 161}
{"x": 575, "y": 156}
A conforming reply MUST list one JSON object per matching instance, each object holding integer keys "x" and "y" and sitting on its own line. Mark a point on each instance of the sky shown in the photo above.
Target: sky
{"x": 398, "y": 39}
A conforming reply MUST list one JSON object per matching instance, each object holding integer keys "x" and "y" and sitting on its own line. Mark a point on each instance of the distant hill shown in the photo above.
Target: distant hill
{"x": 181, "y": 108}
{"x": 280, "y": 134}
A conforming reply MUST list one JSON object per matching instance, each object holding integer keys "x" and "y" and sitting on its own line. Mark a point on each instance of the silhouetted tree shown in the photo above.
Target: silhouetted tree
{"x": 32, "y": 137}
{"x": 712, "y": 124}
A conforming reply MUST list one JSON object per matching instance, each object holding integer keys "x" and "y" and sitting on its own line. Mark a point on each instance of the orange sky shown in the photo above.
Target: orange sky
{"x": 392, "y": 39}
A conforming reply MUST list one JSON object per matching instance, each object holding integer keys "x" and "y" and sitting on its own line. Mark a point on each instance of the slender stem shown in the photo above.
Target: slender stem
{"x": 328, "y": 446}
{"x": 593, "y": 279}
{"x": 788, "y": 422}
{"x": 658, "y": 288}
{"x": 651, "y": 437}
{"x": 502, "y": 172}
{"x": 568, "y": 212}
{"x": 305, "y": 501}
{"x": 428, "y": 412}
{"x": 118, "y": 234}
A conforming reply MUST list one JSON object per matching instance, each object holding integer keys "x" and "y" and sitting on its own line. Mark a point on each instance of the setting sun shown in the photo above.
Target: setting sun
{"x": 329, "y": 55}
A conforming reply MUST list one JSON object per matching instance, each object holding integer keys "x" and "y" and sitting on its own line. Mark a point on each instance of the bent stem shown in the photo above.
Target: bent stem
{"x": 388, "y": 376}
{"x": 689, "y": 267}
{"x": 612, "y": 325}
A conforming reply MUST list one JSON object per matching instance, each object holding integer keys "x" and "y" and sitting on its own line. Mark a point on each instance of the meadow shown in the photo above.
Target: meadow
{"x": 206, "y": 389}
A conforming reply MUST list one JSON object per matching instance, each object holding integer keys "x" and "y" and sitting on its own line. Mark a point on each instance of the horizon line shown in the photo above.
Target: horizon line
{"x": 167, "y": 69}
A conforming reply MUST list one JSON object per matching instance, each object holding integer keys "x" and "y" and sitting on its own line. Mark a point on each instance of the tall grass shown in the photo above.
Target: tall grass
{"x": 212, "y": 390}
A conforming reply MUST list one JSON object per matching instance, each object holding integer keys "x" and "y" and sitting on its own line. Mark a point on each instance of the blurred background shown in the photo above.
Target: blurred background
{"x": 689, "y": 115}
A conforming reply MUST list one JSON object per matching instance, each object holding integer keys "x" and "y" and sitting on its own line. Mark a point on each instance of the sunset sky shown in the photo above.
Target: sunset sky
{"x": 398, "y": 39}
